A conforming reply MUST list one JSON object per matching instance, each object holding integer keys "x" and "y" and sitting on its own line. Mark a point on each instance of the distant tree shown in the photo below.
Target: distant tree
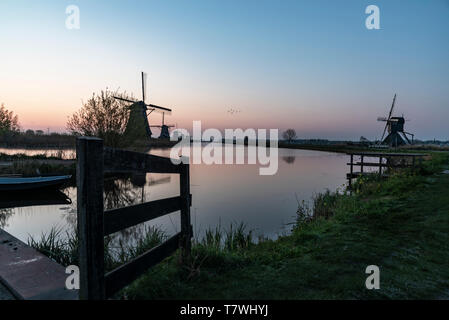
{"x": 101, "y": 116}
{"x": 39, "y": 132}
{"x": 289, "y": 135}
{"x": 8, "y": 121}
{"x": 29, "y": 132}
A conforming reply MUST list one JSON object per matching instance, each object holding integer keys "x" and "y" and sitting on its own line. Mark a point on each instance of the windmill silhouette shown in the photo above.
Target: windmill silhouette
{"x": 395, "y": 126}
{"x": 165, "y": 134}
{"x": 138, "y": 126}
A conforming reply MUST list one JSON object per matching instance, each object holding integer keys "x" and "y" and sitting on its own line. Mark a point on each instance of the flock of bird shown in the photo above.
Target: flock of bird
{"x": 233, "y": 111}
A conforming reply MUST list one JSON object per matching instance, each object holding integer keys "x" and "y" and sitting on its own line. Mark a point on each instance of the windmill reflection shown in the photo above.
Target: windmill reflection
{"x": 289, "y": 159}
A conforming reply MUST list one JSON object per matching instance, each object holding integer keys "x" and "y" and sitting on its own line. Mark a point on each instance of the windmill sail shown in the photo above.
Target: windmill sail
{"x": 144, "y": 85}
{"x": 389, "y": 117}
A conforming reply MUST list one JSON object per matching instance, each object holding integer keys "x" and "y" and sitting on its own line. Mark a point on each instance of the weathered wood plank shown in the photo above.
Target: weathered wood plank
{"x": 28, "y": 274}
{"x": 125, "y": 274}
{"x": 89, "y": 178}
{"x": 123, "y": 160}
{"x": 118, "y": 219}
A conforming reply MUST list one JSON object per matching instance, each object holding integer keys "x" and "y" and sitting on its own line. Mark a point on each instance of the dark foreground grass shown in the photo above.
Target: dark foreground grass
{"x": 400, "y": 225}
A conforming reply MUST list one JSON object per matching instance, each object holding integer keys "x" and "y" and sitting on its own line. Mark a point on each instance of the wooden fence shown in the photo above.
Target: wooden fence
{"x": 408, "y": 161}
{"x": 93, "y": 160}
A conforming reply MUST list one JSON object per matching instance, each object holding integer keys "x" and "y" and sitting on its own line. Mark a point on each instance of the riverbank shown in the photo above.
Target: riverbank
{"x": 400, "y": 224}
{"x": 36, "y": 165}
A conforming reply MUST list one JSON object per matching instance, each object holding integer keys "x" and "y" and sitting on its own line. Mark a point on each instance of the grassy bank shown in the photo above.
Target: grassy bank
{"x": 36, "y": 165}
{"x": 400, "y": 224}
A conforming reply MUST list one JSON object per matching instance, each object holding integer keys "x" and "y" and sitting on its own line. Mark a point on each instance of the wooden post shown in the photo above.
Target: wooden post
{"x": 380, "y": 167}
{"x": 89, "y": 181}
{"x": 350, "y": 171}
{"x": 186, "y": 228}
{"x": 361, "y": 165}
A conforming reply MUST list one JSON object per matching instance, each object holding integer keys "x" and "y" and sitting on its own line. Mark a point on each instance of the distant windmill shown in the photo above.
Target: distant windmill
{"x": 138, "y": 126}
{"x": 165, "y": 134}
{"x": 395, "y": 126}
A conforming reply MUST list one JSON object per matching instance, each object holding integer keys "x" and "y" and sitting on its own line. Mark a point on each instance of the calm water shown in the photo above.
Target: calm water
{"x": 222, "y": 194}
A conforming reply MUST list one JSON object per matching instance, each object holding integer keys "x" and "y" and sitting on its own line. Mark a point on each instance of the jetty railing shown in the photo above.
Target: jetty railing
{"x": 408, "y": 160}
{"x": 93, "y": 160}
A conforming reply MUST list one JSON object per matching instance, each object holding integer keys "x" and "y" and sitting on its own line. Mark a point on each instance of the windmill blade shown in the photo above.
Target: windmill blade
{"x": 388, "y": 119}
{"x": 392, "y": 107}
{"x": 381, "y": 119}
{"x": 144, "y": 85}
{"x": 123, "y": 99}
{"x": 152, "y": 106}
{"x": 383, "y": 134}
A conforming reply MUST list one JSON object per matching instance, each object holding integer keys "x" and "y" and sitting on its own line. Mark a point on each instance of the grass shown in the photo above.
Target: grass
{"x": 400, "y": 224}
{"x": 63, "y": 248}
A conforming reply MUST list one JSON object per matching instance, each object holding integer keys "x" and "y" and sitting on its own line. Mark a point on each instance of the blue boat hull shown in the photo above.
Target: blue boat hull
{"x": 37, "y": 183}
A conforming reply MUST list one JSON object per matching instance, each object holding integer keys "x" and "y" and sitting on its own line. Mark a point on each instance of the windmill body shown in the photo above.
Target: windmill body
{"x": 395, "y": 127}
{"x": 137, "y": 127}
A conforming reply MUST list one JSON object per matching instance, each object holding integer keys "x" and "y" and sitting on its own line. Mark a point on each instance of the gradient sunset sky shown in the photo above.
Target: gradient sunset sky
{"x": 308, "y": 65}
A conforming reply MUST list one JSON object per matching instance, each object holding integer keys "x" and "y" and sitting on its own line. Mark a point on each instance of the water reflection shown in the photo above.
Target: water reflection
{"x": 289, "y": 159}
{"x": 222, "y": 194}
{"x": 13, "y": 200}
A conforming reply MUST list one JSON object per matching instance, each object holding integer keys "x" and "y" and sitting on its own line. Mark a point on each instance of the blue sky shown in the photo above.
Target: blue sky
{"x": 309, "y": 65}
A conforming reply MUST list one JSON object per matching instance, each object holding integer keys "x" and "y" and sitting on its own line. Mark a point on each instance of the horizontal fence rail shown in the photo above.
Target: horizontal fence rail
{"x": 116, "y": 160}
{"x": 93, "y": 161}
{"x": 119, "y": 219}
{"x": 130, "y": 271}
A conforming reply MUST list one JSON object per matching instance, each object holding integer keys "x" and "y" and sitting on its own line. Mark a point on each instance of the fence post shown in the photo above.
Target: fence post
{"x": 380, "y": 167}
{"x": 89, "y": 181}
{"x": 186, "y": 228}
{"x": 361, "y": 164}
{"x": 351, "y": 170}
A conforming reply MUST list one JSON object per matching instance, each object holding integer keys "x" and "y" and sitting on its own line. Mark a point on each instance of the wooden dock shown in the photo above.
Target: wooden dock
{"x": 29, "y": 275}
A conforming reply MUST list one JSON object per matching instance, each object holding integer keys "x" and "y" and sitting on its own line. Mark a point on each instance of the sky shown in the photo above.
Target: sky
{"x": 308, "y": 65}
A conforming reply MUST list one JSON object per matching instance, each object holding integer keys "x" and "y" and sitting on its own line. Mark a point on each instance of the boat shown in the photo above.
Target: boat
{"x": 33, "y": 183}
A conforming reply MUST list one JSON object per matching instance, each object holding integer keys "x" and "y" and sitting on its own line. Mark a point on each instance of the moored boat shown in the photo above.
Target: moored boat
{"x": 32, "y": 183}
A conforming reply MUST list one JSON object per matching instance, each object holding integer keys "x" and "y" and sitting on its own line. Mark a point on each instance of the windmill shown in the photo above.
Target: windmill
{"x": 165, "y": 134}
{"x": 138, "y": 126}
{"x": 395, "y": 126}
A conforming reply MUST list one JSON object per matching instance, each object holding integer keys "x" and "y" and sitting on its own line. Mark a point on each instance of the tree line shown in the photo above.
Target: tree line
{"x": 101, "y": 116}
